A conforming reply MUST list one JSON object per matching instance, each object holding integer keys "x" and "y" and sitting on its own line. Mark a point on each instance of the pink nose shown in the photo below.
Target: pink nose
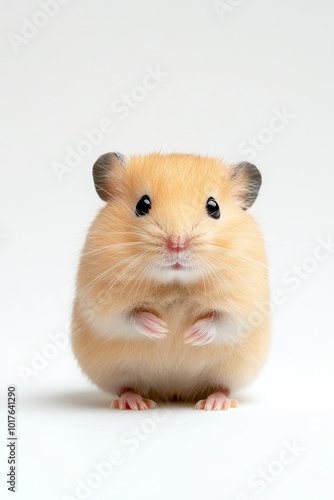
{"x": 177, "y": 244}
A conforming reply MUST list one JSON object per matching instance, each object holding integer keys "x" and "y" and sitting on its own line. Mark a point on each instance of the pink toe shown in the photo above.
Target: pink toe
{"x": 132, "y": 401}
{"x": 216, "y": 401}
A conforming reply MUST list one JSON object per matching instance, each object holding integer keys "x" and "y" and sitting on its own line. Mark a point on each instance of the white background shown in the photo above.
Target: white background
{"x": 228, "y": 75}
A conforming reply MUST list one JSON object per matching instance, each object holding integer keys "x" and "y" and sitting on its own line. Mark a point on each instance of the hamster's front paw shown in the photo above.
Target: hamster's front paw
{"x": 202, "y": 332}
{"x": 149, "y": 324}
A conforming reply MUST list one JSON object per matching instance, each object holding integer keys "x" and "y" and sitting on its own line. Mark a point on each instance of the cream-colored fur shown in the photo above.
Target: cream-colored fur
{"x": 120, "y": 271}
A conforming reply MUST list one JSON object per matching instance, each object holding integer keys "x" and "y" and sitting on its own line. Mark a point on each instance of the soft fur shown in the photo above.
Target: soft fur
{"x": 119, "y": 272}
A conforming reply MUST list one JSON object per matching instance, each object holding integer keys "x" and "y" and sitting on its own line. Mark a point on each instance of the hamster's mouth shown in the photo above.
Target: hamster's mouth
{"x": 177, "y": 266}
{"x": 177, "y": 269}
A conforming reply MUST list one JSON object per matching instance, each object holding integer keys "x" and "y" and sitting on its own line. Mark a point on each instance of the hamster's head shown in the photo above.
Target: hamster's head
{"x": 173, "y": 217}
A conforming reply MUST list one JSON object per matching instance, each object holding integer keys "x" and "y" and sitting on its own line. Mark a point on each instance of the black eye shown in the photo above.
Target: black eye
{"x": 143, "y": 206}
{"x": 212, "y": 208}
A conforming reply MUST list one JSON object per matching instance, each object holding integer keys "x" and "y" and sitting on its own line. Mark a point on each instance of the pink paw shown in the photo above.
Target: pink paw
{"x": 202, "y": 332}
{"x": 150, "y": 325}
{"x": 132, "y": 401}
{"x": 216, "y": 401}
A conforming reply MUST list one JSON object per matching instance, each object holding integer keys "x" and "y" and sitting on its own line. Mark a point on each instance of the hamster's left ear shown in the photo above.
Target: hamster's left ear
{"x": 246, "y": 182}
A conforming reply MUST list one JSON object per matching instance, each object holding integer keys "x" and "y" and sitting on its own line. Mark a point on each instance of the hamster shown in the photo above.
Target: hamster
{"x": 172, "y": 282}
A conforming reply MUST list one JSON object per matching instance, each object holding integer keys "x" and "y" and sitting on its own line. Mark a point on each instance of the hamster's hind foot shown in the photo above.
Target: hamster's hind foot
{"x": 129, "y": 400}
{"x": 216, "y": 401}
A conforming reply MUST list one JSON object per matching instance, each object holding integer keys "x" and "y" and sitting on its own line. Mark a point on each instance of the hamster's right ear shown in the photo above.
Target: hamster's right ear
{"x": 108, "y": 172}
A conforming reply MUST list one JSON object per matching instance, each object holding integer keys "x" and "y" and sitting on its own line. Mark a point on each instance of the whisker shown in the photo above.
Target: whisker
{"x": 127, "y": 268}
{"x": 240, "y": 256}
{"x": 134, "y": 289}
{"x": 88, "y": 287}
{"x": 111, "y": 246}
{"x": 218, "y": 272}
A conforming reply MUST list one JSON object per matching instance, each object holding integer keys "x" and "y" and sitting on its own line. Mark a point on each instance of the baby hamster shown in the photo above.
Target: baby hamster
{"x": 172, "y": 276}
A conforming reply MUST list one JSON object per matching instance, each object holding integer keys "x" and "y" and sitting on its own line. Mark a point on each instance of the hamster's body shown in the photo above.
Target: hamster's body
{"x": 170, "y": 300}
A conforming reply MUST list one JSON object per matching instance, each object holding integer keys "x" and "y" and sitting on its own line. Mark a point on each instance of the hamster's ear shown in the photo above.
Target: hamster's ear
{"x": 246, "y": 182}
{"x": 107, "y": 174}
